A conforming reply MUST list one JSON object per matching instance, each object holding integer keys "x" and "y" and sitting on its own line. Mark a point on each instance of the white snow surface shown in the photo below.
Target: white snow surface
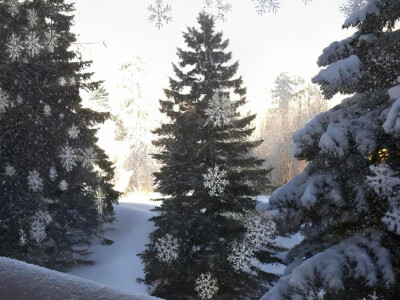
{"x": 392, "y": 123}
{"x": 394, "y": 92}
{"x": 22, "y": 281}
{"x": 340, "y": 74}
{"x": 117, "y": 266}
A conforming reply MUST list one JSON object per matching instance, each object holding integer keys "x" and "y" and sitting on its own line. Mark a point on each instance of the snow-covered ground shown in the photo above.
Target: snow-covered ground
{"x": 22, "y": 281}
{"x": 118, "y": 266}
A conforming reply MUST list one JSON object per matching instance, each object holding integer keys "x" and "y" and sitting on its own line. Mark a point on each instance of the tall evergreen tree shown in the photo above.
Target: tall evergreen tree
{"x": 208, "y": 236}
{"x": 55, "y": 182}
{"x": 346, "y": 203}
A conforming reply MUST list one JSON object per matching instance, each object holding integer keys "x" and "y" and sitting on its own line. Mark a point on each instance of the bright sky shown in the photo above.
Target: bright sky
{"x": 290, "y": 40}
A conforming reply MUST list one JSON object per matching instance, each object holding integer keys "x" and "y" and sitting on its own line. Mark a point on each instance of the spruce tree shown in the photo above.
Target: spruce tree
{"x": 55, "y": 182}
{"x": 208, "y": 236}
{"x": 346, "y": 203}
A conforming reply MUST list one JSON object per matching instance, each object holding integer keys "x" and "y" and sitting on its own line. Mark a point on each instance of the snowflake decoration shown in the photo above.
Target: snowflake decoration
{"x": 167, "y": 248}
{"x": 9, "y": 170}
{"x": 4, "y": 101}
{"x": 206, "y": 286}
{"x": 262, "y": 6}
{"x": 259, "y": 234}
{"x": 51, "y": 40}
{"x": 68, "y": 157}
{"x": 259, "y": 229}
{"x": 47, "y": 110}
{"x": 72, "y": 81}
{"x": 22, "y": 237}
{"x": 241, "y": 257}
{"x": 219, "y": 111}
{"x": 32, "y": 44}
{"x": 35, "y": 183}
{"x": 39, "y": 224}
{"x": 384, "y": 182}
{"x": 62, "y": 81}
{"x": 32, "y": 18}
{"x": 13, "y": 7}
{"x": 218, "y": 8}
{"x": 63, "y": 185}
{"x": 20, "y": 100}
{"x": 88, "y": 157}
{"x": 73, "y": 132}
{"x": 159, "y": 13}
{"x": 14, "y": 47}
{"x": 373, "y": 296}
{"x": 53, "y": 173}
{"x": 215, "y": 181}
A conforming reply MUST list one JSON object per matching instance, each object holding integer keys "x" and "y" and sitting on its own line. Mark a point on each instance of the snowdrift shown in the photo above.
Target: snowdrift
{"x": 22, "y": 281}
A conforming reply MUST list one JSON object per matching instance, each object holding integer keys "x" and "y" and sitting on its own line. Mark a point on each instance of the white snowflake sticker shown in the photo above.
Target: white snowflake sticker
{"x": 88, "y": 157}
{"x": 22, "y": 237}
{"x": 73, "y": 132}
{"x": 219, "y": 111}
{"x": 384, "y": 181}
{"x": 35, "y": 183}
{"x": 53, "y": 173}
{"x": 47, "y": 110}
{"x": 206, "y": 286}
{"x": 39, "y": 224}
{"x": 167, "y": 248}
{"x": 14, "y": 47}
{"x": 32, "y": 18}
{"x": 69, "y": 158}
{"x": 13, "y": 7}
{"x": 215, "y": 181}
{"x": 10, "y": 170}
{"x": 51, "y": 40}
{"x": 62, "y": 81}
{"x": 63, "y": 185}
{"x": 33, "y": 45}
{"x": 4, "y": 101}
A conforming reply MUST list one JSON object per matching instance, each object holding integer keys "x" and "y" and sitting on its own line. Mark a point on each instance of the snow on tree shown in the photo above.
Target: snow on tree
{"x": 208, "y": 180}
{"x": 346, "y": 201}
{"x": 40, "y": 84}
{"x": 352, "y": 5}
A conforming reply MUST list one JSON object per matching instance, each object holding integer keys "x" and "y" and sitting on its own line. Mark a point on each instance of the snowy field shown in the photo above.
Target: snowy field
{"x": 118, "y": 266}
